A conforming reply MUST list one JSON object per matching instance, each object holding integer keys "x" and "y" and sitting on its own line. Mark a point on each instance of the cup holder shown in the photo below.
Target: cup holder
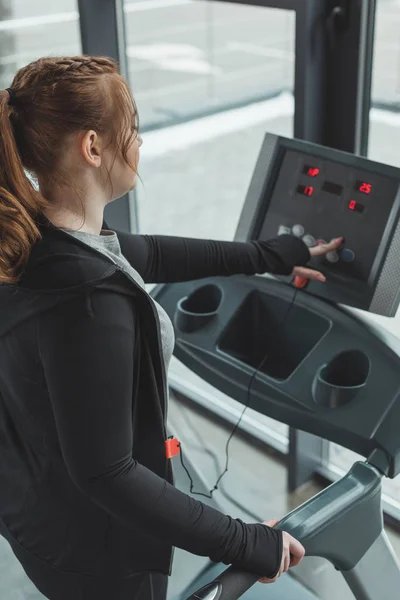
{"x": 341, "y": 380}
{"x": 198, "y": 309}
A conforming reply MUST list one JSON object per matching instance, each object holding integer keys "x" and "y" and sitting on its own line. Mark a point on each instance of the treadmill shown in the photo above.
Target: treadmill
{"x": 313, "y": 361}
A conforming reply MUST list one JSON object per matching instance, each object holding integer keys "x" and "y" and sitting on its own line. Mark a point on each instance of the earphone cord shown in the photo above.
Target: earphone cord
{"x": 248, "y": 397}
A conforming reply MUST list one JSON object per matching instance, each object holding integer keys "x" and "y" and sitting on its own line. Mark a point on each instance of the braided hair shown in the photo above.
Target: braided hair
{"x": 50, "y": 99}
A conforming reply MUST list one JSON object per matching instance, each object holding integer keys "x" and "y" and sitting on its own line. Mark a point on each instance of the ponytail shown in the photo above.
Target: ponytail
{"x": 50, "y": 100}
{"x": 19, "y": 202}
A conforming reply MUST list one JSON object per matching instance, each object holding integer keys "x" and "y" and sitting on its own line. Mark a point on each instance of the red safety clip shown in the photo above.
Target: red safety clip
{"x": 300, "y": 282}
{"x": 172, "y": 447}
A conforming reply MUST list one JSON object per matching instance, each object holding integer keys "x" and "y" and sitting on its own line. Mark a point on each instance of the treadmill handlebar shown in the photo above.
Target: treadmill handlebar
{"x": 232, "y": 583}
{"x": 321, "y": 524}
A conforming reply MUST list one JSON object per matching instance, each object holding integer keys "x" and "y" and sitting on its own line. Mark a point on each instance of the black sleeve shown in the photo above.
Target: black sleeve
{"x": 87, "y": 352}
{"x": 168, "y": 259}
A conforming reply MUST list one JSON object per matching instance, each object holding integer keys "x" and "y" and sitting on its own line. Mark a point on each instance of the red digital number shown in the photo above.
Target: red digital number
{"x": 365, "y": 188}
{"x": 312, "y": 172}
{"x": 309, "y": 190}
{"x": 352, "y": 205}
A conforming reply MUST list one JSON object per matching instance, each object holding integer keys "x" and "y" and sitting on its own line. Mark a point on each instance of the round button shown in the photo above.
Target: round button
{"x": 309, "y": 240}
{"x": 332, "y": 257}
{"x": 283, "y": 230}
{"x": 298, "y": 230}
{"x": 347, "y": 255}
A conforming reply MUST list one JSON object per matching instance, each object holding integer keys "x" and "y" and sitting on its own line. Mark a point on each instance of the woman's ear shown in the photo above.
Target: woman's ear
{"x": 91, "y": 148}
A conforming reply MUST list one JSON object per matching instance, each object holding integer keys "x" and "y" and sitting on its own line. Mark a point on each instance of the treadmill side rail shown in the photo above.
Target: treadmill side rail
{"x": 344, "y": 524}
{"x": 328, "y": 525}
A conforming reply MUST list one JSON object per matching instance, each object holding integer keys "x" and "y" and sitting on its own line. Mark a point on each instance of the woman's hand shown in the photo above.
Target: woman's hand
{"x": 292, "y": 553}
{"x": 320, "y": 250}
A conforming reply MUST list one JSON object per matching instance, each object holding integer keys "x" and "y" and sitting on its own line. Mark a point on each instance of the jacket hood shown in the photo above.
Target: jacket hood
{"x": 59, "y": 268}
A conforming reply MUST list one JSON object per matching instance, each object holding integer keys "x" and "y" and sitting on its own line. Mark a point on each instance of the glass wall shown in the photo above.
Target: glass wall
{"x": 209, "y": 79}
{"x": 384, "y": 146}
{"x": 384, "y": 137}
{"x": 190, "y": 57}
{"x": 33, "y": 28}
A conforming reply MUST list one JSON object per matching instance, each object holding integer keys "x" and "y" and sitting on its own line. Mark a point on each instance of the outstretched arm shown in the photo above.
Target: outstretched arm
{"x": 169, "y": 259}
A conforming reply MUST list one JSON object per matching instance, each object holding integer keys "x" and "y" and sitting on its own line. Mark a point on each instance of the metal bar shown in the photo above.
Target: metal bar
{"x": 305, "y": 450}
{"x": 367, "y": 37}
{"x": 310, "y": 72}
{"x": 334, "y": 52}
{"x": 102, "y": 27}
{"x": 349, "y": 63}
{"x": 304, "y": 458}
{"x": 377, "y": 575}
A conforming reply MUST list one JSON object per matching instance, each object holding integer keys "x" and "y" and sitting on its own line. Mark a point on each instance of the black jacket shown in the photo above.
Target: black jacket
{"x": 85, "y": 486}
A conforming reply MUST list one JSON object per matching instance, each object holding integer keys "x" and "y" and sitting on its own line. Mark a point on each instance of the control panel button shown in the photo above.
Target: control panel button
{"x": 283, "y": 230}
{"x": 298, "y": 230}
{"x": 347, "y": 255}
{"x": 309, "y": 240}
{"x": 332, "y": 257}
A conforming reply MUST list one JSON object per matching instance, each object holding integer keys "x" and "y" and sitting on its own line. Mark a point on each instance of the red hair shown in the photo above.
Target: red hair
{"x": 51, "y": 99}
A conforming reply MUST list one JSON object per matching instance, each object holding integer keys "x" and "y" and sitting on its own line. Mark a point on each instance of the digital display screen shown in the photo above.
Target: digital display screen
{"x": 332, "y": 188}
{"x": 356, "y": 206}
{"x": 363, "y": 187}
{"x": 343, "y": 199}
{"x": 310, "y": 171}
{"x": 305, "y": 190}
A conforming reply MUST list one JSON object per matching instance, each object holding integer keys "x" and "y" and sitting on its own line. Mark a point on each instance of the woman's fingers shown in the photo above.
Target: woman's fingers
{"x": 271, "y": 522}
{"x": 286, "y": 566}
{"x": 292, "y": 553}
{"x": 297, "y": 552}
{"x": 308, "y": 274}
{"x": 266, "y": 580}
{"x": 322, "y": 249}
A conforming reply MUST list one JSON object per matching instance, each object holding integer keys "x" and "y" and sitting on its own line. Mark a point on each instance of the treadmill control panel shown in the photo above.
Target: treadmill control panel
{"x": 318, "y": 194}
{"x": 317, "y": 200}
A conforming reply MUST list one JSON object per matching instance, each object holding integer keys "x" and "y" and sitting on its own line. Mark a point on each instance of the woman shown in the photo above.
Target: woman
{"x": 87, "y": 500}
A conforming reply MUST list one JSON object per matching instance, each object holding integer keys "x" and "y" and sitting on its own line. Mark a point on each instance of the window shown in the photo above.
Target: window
{"x": 29, "y": 30}
{"x": 191, "y": 57}
{"x": 210, "y": 79}
{"x": 384, "y": 136}
{"x": 214, "y": 117}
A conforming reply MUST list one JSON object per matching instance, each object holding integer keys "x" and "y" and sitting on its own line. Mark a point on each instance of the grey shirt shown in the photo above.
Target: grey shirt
{"x": 107, "y": 243}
